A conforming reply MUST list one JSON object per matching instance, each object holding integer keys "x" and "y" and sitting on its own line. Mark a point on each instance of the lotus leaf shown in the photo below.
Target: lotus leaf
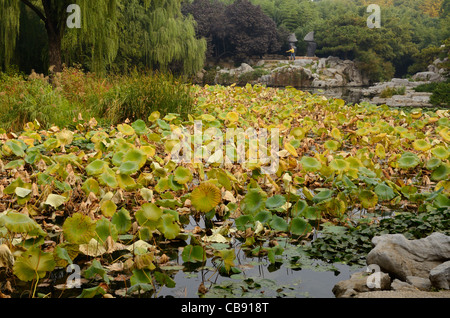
{"x": 368, "y": 198}
{"x": 182, "y": 175}
{"x": 122, "y": 220}
{"x": 421, "y": 145}
{"x": 206, "y": 197}
{"x": 275, "y": 202}
{"x": 310, "y": 164}
{"x": 33, "y": 264}
{"x": 79, "y": 229}
{"x": 254, "y": 201}
{"x": 408, "y": 160}
{"x": 440, "y": 152}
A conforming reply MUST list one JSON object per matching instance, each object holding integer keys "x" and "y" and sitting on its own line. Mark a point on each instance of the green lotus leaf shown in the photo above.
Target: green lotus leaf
{"x": 11, "y": 189}
{"x": 128, "y": 168}
{"x": 149, "y": 215}
{"x": 17, "y": 148}
{"x": 368, "y": 198}
{"x": 135, "y": 155}
{"x": 206, "y": 197}
{"x": 279, "y": 224}
{"x": 332, "y": 145}
{"x": 323, "y": 195}
{"x": 440, "y": 152}
{"x": 408, "y": 160}
{"x": 182, "y": 175}
{"x": 108, "y": 178}
{"x": 254, "y": 201}
{"x": 339, "y": 165}
{"x": 275, "y": 202}
{"x": 79, "y": 229}
{"x": 310, "y": 164}
{"x": 21, "y": 223}
{"x": 117, "y": 158}
{"x": 298, "y": 133}
{"x": 263, "y": 216}
{"x": 421, "y": 145}
{"x": 193, "y": 254}
{"x": 51, "y": 144}
{"x": 122, "y": 220}
{"x": 15, "y": 164}
{"x": 91, "y": 185}
{"x": 96, "y": 167}
{"x": 33, "y": 264}
{"x": 163, "y": 125}
{"x": 298, "y": 208}
{"x": 433, "y": 163}
{"x": 441, "y": 173}
{"x": 169, "y": 226}
{"x": 139, "y": 127}
{"x": 126, "y": 182}
{"x": 104, "y": 228}
{"x": 300, "y": 226}
{"x": 384, "y": 192}
{"x": 108, "y": 208}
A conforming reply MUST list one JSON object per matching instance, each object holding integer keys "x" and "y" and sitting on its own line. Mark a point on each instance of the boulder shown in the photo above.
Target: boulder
{"x": 420, "y": 283}
{"x": 358, "y": 283}
{"x": 401, "y": 257}
{"x": 440, "y": 276}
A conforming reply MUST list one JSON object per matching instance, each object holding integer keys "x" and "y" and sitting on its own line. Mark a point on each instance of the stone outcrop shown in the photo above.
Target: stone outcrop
{"x": 402, "y": 257}
{"x": 408, "y": 97}
{"x": 301, "y": 73}
{"x": 403, "y": 265}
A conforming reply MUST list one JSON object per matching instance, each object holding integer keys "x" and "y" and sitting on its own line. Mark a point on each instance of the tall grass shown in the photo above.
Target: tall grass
{"x": 24, "y": 100}
{"x": 110, "y": 100}
{"x": 136, "y": 96}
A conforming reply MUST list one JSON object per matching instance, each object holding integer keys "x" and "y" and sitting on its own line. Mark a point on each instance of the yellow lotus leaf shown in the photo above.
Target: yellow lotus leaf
{"x": 232, "y": 117}
{"x": 291, "y": 149}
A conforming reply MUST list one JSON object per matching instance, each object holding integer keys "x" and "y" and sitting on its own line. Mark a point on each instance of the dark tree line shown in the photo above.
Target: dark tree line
{"x": 238, "y": 30}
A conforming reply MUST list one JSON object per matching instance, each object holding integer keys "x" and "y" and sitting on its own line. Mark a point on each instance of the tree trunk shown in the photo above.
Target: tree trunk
{"x": 54, "y": 50}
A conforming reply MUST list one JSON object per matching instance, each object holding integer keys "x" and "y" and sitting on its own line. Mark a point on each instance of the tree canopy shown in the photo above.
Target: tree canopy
{"x": 162, "y": 36}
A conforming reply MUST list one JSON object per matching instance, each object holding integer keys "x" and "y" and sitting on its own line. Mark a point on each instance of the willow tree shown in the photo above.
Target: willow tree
{"x": 171, "y": 37}
{"x": 97, "y": 27}
{"x": 168, "y": 36}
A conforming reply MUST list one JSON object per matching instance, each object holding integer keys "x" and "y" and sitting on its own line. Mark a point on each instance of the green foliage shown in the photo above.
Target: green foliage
{"x": 138, "y": 95}
{"x": 388, "y": 92}
{"x": 24, "y": 101}
{"x": 440, "y": 90}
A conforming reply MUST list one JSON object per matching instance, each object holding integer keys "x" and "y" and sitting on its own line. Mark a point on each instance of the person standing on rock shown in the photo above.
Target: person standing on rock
{"x": 292, "y": 52}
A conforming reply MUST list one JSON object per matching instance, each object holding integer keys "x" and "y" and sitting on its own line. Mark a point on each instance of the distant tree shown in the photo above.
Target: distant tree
{"x": 250, "y": 31}
{"x": 238, "y": 30}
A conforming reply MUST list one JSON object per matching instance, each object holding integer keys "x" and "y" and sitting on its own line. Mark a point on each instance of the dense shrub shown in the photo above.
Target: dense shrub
{"x": 441, "y": 92}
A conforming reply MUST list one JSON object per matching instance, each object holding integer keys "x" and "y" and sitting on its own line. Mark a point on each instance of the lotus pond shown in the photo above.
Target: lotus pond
{"x": 100, "y": 211}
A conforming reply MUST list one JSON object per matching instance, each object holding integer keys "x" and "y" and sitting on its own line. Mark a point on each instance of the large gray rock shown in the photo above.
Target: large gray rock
{"x": 360, "y": 283}
{"x": 401, "y": 257}
{"x": 440, "y": 276}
